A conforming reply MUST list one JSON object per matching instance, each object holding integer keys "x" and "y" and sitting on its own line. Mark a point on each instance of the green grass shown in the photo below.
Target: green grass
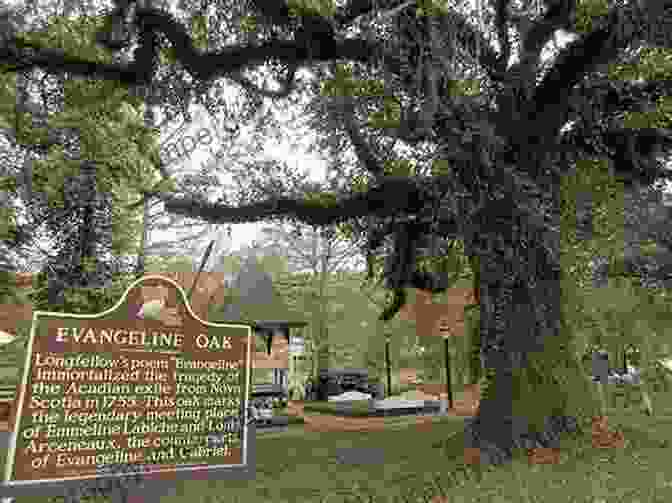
{"x": 301, "y": 466}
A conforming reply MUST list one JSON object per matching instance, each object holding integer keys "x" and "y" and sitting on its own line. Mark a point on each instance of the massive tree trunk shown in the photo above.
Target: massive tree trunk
{"x": 535, "y": 388}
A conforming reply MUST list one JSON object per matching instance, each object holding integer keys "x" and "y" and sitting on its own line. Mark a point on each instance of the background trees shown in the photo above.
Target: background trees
{"x": 314, "y": 257}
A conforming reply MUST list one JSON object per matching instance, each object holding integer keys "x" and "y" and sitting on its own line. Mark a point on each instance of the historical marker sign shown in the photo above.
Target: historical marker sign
{"x": 145, "y": 384}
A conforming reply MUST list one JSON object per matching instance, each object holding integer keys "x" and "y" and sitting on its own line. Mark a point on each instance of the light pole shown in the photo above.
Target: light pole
{"x": 445, "y": 333}
{"x": 388, "y": 335}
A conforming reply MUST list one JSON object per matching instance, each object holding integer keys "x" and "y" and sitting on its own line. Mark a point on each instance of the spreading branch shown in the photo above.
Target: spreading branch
{"x": 355, "y": 9}
{"x": 579, "y": 59}
{"x": 540, "y": 33}
{"x": 394, "y": 195}
{"x": 592, "y": 101}
{"x": 362, "y": 148}
{"x": 502, "y": 31}
{"x": 201, "y": 65}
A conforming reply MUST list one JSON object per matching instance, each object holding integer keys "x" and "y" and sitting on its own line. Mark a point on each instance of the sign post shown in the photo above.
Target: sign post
{"x": 388, "y": 337}
{"x": 144, "y": 390}
{"x": 445, "y": 332}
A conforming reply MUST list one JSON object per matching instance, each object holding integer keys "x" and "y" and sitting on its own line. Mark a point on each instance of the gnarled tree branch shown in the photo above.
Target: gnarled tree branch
{"x": 356, "y": 8}
{"x": 540, "y": 32}
{"x": 201, "y": 65}
{"x": 394, "y": 195}
{"x": 579, "y": 59}
{"x": 362, "y": 148}
{"x": 501, "y": 28}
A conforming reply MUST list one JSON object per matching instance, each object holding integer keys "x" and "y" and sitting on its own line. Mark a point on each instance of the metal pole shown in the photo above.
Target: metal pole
{"x": 206, "y": 256}
{"x": 387, "y": 362}
{"x": 449, "y": 387}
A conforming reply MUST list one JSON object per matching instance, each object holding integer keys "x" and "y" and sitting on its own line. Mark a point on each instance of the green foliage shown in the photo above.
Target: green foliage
{"x": 661, "y": 117}
{"x": 360, "y": 184}
{"x": 81, "y": 300}
{"x": 7, "y": 223}
{"x": 431, "y": 8}
{"x": 464, "y": 87}
{"x": 399, "y": 167}
{"x": 653, "y": 63}
{"x": 388, "y": 117}
{"x": 168, "y": 263}
{"x": 110, "y": 125}
{"x": 453, "y": 263}
{"x": 580, "y": 315}
{"x": 553, "y": 383}
{"x": 9, "y": 293}
{"x": 440, "y": 167}
{"x": 248, "y": 24}
{"x": 587, "y": 11}
{"x": 320, "y": 198}
{"x": 199, "y": 32}
{"x": 344, "y": 84}
{"x": 324, "y": 8}
{"x": 591, "y": 177}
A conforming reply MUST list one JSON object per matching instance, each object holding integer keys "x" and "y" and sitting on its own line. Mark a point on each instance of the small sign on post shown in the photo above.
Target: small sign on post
{"x": 146, "y": 385}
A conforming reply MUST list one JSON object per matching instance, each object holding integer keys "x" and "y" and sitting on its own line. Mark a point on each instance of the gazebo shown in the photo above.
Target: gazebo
{"x": 253, "y": 300}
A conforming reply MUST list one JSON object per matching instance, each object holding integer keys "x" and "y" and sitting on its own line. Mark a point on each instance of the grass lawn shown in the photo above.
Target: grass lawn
{"x": 299, "y": 466}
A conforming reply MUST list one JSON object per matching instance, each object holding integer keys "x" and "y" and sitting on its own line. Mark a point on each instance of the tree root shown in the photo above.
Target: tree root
{"x": 494, "y": 444}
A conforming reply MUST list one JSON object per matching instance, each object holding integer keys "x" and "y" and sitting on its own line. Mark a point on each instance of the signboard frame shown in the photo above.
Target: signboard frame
{"x": 165, "y": 473}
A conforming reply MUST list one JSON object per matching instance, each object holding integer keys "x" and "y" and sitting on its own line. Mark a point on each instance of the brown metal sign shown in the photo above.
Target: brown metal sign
{"x": 146, "y": 384}
{"x": 444, "y": 320}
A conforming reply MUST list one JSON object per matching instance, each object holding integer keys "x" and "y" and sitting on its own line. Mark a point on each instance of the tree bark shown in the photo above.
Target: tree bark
{"x": 144, "y": 238}
{"x": 535, "y": 388}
